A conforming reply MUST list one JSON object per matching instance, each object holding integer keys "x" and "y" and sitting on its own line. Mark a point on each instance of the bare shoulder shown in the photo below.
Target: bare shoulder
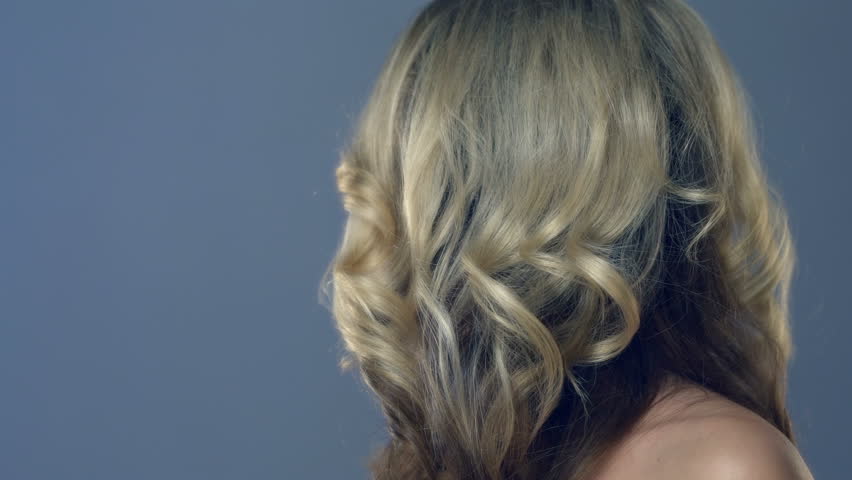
{"x": 726, "y": 444}
{"x": 701, "y": 435}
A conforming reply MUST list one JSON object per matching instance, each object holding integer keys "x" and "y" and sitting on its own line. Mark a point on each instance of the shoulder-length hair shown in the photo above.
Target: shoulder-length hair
{"x": 554, "y": 206}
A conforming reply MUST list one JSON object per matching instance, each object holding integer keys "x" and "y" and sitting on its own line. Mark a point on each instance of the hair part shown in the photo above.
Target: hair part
{"x": 553, "y": 207}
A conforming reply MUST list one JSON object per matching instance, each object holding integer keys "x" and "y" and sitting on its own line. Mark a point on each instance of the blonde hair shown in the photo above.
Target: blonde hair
{"x": 553, "y": 206}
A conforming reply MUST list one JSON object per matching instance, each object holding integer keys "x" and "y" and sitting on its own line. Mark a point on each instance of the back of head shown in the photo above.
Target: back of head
{"x": 554, "y": 206}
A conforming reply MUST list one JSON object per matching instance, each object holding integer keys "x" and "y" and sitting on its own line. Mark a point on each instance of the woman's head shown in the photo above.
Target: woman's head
{"x": 553, "y": 206}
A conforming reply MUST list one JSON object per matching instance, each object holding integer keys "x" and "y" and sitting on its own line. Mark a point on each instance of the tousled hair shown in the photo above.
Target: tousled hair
{"x": 553, "y": 207}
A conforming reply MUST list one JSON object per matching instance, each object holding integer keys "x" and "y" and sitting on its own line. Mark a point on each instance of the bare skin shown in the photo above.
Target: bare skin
{"x": 699, "y": 435}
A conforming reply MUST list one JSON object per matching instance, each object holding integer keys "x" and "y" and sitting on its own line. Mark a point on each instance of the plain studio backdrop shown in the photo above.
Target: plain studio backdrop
{"x": 167, "y": 205}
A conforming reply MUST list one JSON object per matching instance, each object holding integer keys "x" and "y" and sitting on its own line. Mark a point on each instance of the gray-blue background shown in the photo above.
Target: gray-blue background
{"x": 167, "y": 206}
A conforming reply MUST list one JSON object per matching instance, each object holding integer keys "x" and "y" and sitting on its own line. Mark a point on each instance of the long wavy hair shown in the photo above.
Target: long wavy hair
{"x": 553, "y": 206}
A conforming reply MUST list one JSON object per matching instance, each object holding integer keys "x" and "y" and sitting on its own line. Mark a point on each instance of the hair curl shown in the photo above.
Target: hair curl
{"x": 553, "y": 206}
